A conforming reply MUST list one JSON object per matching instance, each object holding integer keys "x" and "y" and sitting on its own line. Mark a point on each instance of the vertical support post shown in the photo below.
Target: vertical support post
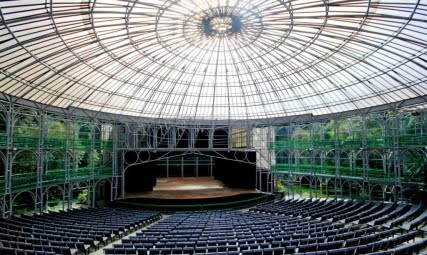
{"x": 114, "y": 181}
{"x": 290, "y": 179}
{"x": 211, "y": 137}
{"x": 192, "y": 143}
{"x": 38, "y": 199}
{"x": 337, "y": 156}
{"x": 155, "y": 131}
{"x": 365, "y": 156}
{"x": 248, "y": 137}
{"x": 397, "y": 157}
{"x": 322, "y": 168}
{"x": 74, "y": 148}
{"x": 118, "y": 162}
{"x": 173, "y": 137}
{"x": 312, "y": 163}
{"x": 230, "y": 138}
{"x": 270, "y": 180}
{"x": 67, "y": 188}
{"x": 7, "y": 197}
{"x": 92, "y": 180}
{"x": 122, "y": 173}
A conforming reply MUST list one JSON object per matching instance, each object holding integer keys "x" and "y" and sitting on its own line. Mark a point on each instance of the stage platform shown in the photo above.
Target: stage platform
{"x": 192, "y": 194}
{"x": 189, "y": 188}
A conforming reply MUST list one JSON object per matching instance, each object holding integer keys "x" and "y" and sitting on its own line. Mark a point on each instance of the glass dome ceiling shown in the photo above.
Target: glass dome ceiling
{"x": 214, "y": 59}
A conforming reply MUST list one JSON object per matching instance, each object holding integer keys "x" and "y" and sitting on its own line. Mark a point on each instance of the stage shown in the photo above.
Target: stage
{"x": 190, "y": 188}
{"x": 192, "y": 194}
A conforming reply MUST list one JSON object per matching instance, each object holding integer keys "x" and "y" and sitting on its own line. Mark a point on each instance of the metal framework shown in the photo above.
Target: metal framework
{"x": 369, "y": 156}
{"x": 379, "y": 155}
{"x": 319, "y": 89}
{"x": 214, "y": 59}
{"x": 40, "y": 150}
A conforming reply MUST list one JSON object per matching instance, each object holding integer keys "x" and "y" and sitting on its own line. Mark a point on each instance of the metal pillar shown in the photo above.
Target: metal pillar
{"x": 193, "y": 136}
{"x": 337, "y": 156}
{"x": 271, "y": 158}
{"x": 92, "y": 182}
{"x": 397, "y": 158}
{"x": 365, "y": 157}
{"x": 210, "y": 137}
{"x": 249, "y": 137}
{"x": 230, "y": 138}
{"x": 68, "y": 187}
{"x": 39, "y": 198}
{"x": 115, "y": 164}
{"x": 7, "y": 197}
{"x": 312, "y": 163}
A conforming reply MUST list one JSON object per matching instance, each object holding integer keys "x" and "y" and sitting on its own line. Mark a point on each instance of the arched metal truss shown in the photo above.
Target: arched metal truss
{"x": 214, "y": 59}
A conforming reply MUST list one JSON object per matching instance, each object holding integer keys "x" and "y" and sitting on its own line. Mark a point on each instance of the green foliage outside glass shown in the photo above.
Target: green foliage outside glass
{"x": 321, "y": 137}
{"x": 83, "y": 196}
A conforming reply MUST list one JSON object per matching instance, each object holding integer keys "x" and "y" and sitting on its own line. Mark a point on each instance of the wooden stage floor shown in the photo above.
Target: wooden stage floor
{"x": 189, "y": 188}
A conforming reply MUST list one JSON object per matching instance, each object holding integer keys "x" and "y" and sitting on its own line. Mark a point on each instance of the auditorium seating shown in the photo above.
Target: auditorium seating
{"x": 286, "y": 227}
{"x": 416, "y": 222}
{"x": 415, "y": 209}
{"x": 336, "y": 227}
{"x": 69, "y": 232}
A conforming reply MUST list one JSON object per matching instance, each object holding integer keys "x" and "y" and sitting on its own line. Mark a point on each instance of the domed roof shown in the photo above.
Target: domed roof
{"x": 214, "y": 59}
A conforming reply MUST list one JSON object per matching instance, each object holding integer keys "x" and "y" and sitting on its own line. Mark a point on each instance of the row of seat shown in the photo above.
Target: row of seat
{"x": 69, "y": 232}
{"x": 337, "y": 227}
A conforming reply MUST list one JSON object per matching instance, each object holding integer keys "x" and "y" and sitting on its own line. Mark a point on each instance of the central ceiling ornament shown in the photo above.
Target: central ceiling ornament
{"x": 221, "y": 25}
{"x": 221, "y": 22}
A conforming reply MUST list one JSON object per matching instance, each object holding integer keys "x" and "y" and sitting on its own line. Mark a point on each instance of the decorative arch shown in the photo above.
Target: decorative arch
{"x": 304, "y": 185}
{"x": 329, "y": 163}
{"x": 27, "y": 193}
{"x": 24, "y": 170}
{"x": 26, "y": 124}
{"x": 220, "y": 137}
{"x": 358, "y": 163}
{"x": 346, "y": 189}
{"x": 55, "y": 191}
{"x": 377, "y": 192}
{"x": 356, "y": 189}
{"x": 376, "y": 166}
{"x": 346, "y": 168}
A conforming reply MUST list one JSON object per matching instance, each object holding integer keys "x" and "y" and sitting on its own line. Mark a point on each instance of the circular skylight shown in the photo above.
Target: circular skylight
{"x": 214, "y": 59}
{"x": 221, "y": 26}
